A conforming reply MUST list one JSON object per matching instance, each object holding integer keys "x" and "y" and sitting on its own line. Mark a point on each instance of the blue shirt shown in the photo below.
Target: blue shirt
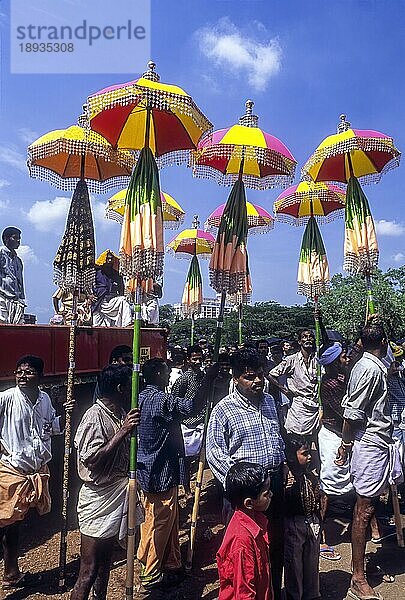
{"x": 160, "y": 457}
{"x": 239, "y": 431}
{"x": 11, "y": 275}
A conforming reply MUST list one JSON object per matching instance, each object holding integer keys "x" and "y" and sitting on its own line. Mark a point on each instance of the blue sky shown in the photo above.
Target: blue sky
{"x": 303, "y": 64}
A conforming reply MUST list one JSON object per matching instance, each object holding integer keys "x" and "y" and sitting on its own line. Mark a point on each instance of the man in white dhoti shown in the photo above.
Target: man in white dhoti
{"x": 150, "y": 305}
{"x": 375, "y": 460}
{"x": 110, "y": 308}
{"x": 102, "y": 442}
{"x": 12, "y": 297}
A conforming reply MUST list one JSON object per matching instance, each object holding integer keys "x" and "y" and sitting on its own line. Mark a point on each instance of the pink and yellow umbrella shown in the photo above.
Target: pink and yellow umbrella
{"x": 192, "y": 241}
{"x": 264, "y": 161}
{"x": 173, "y": 213}
{"x": 259, "y": 220}
{"x": 324, "y": 201}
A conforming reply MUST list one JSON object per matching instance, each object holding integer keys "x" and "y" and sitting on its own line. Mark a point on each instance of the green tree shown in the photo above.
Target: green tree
{"x": 344, "y": 307}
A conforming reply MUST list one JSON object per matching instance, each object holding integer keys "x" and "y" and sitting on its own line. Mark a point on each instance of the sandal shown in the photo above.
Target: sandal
{"x": 329, "y": 553}
{"x": 26, "y": 579}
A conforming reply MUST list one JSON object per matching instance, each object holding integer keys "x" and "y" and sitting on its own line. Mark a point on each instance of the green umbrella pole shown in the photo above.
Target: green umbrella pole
{"x": 240, "y": 317}
{"x": 220, "y": 325}
{"x": 318, "y": 348}
{"x": 192, "y": 329}
{"x": 370, "y": 298}
{"x": 129, "y": 583}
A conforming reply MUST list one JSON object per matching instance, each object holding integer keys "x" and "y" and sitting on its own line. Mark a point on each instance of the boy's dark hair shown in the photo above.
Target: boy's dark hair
{"x": 118, "y": 352}
{"x": 111, "y": 377}
{"x": 248, "y": 358}
{"x": 195, "y": 349}
{"x": 178, "y": 358}
{"x": 244, "y": 480}
{"x": 293, "y": 443}
{"x": 151, "y": 368}
{"x": 372, "y": 336}
{"x": 8, "y": 232}
{"x": 35, "y": 362}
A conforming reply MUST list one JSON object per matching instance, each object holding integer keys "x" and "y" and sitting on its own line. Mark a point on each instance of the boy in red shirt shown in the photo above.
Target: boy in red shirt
{"x": 243, "y": 558}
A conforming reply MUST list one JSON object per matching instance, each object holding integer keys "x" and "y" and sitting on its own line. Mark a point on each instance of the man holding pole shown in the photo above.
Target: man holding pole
{"x": 161, "y": 468}
{"x": 367, "y": 429}
{"x": 102, "y": 442}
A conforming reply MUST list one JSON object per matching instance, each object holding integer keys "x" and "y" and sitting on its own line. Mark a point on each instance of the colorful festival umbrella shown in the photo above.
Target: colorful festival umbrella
{"x": 192, "y": 241}
{"x": 361, "y": 247}
{"x": 361, "y": 153}
{"x": 324, "y": 201}
{"x": 243, "y": 154}
{"x": 313, "y": 269}
{"x": 65, "y": 156}
{"x": 155, "y": 120}
{"x": 197, "y": 243}
{"x": 350, "y": 156}
{"x": 173, "y": 214}
{"x": 266, "y": 161}
{"x": 128, "y": 113}
{"x": 74, "y": 273}
{"x": 259, "y": 220}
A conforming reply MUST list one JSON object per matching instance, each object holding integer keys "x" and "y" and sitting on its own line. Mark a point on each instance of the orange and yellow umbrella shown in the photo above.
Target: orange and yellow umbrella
{"x": 65, "y": 156}
{"x": 173, "y": 213}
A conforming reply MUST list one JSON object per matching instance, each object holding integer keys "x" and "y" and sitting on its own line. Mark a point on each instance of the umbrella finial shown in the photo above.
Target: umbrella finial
{"x": 83, "y": 120}
{"x": 151, "y": 73}
{"x": 249, "y": 119}
{"x": 343, "y": 125}
{"x": 196, "y": 222}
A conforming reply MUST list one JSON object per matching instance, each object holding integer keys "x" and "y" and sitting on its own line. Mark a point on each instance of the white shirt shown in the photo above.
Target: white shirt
{"x": 175, "y": 373}
{"x": 26, "y": 430}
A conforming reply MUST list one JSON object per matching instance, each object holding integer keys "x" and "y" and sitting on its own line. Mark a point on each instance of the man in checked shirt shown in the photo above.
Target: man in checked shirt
{"x": 244, "y": 427}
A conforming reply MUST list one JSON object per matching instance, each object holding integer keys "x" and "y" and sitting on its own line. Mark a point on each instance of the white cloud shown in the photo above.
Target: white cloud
{"x": 11, "y": 157}
{"x": 27, "y": 255}
{"x": 229, "y": 49}
{"x": 399, "y": 257}
{"x": 50, "y": 215}
{"x": 389, "y": 228}
{"x": 4, "y": 183}
{"x": 27, "y": 135}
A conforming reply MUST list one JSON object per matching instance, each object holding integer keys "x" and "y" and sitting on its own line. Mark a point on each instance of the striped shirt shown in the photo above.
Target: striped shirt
{"x": 239, "y": 431}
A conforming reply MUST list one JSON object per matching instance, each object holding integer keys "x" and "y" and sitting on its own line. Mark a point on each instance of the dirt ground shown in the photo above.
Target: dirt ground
{"x": 40, "y": 552}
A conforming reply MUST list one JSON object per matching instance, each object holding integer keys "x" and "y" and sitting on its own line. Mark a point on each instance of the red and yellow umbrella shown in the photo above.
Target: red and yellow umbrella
{"x": 324, "y": 201}
{"x": 173, "y": 213}
{"x": 362, "y": 153}
{"x": 265, "y": 161}
{"x": 127, "y": 113}
{"x": 259, "y": 220}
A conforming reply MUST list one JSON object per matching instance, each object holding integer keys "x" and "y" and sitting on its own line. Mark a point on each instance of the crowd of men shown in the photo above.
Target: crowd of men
{"x": 277, "y": 461}
{"x": 281, "y": 448}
